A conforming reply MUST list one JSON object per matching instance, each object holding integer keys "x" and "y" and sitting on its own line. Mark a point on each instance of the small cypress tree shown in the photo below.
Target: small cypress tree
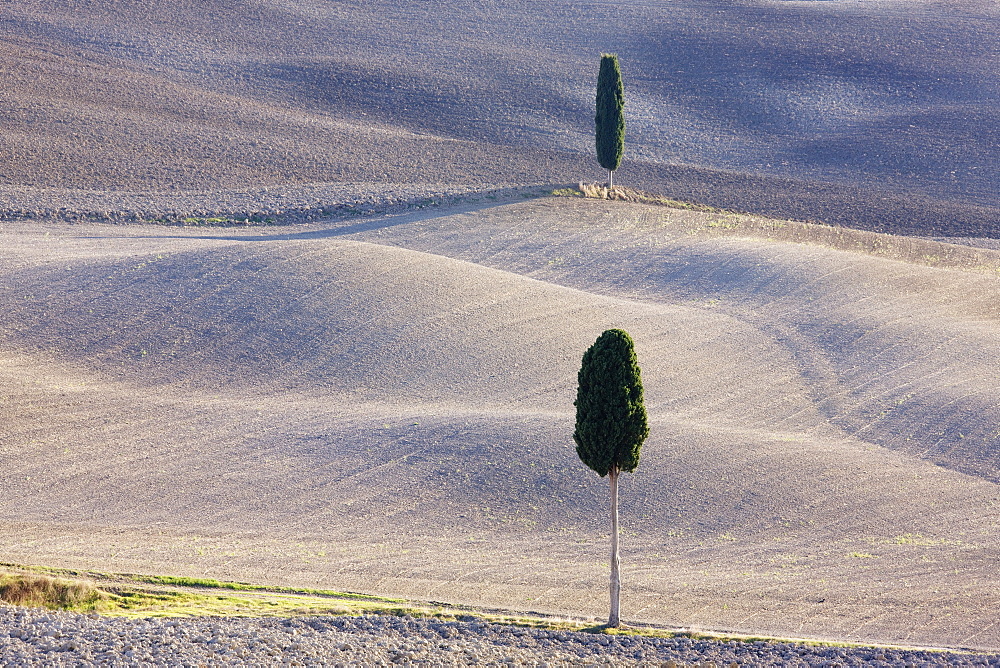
{"x": 611, "y": 425}
{"x": 610, "y": 116}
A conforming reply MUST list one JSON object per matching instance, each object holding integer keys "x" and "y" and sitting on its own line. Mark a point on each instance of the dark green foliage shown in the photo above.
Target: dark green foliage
{"x": 610, "y": 413}
{"x": 610, "y": 117}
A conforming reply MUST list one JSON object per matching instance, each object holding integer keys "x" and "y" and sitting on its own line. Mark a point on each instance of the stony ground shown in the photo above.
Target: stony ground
{"x": 29, "y": 636}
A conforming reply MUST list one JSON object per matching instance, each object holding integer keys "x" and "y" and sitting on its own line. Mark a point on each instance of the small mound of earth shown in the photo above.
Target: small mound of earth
{"x": 626, "y": 194}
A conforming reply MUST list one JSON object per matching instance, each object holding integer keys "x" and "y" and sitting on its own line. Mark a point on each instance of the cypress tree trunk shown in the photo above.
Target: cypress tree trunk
{"x": 616, "y": 586}
{"x": 611, "y": 176}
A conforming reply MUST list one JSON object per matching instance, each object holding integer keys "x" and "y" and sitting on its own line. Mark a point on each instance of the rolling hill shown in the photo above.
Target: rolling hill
{"x": 873, "y": 114}
{"x": 386, "y": 405}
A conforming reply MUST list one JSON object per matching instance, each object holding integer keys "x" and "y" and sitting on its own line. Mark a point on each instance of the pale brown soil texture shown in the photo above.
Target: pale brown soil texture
{"x": 386, "y": 405}
{"x": 880, "y": 114}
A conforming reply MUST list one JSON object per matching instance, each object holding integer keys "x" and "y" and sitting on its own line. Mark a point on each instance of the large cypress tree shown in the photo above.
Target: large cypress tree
{"x": 610, "y": 116}
{"x": 611, "y": 425}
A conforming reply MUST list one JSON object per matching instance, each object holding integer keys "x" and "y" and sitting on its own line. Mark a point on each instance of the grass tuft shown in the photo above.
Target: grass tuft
{"x": 181, "y": 581}
{"x": 41, "y": 591}
{"x": 567, "y": 192}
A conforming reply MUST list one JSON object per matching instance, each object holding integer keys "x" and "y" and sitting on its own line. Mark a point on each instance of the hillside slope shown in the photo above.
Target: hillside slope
{"x": 386, "y": 405}
{"x": 879, "y": 114}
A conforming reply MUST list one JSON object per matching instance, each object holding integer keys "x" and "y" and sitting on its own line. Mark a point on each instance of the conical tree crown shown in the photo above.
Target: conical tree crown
{"x": 610, "y": 414}
{"x": 610, "y": 117}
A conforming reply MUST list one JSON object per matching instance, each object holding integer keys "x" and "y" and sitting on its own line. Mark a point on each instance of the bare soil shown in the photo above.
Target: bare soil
{"x": 879, "y": 114}
{"x": 385, "y": 405}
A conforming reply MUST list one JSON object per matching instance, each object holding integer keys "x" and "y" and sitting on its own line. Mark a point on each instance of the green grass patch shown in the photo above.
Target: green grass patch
{"x": 243, "y": 586}
{"x": 182, "y": 581}
{"x": 134, "y": 595}
{"x": 125, "y": 595}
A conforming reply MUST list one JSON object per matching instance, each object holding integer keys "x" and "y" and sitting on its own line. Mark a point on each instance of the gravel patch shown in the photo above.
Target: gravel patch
{"x": 33, "y": 636}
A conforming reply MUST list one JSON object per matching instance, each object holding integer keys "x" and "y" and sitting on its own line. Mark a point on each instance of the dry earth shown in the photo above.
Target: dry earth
{"x": 874, "y": 113}
{"x": 385, "y": 405}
